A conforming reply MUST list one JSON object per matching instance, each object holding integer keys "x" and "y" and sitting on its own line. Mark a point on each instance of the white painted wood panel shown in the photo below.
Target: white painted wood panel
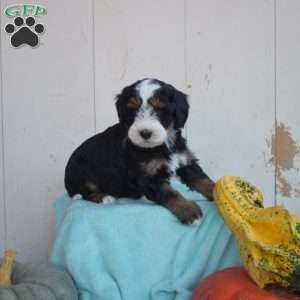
{"x": 48, "y": 110}
{"x": 136, "y": 39}
{"x": 230, "y": 69}
{"x": 2, "y": 194}
{"x": 221, "y": 53}
{"x": 2, "y": 199}
{"x": 288, "y": 104}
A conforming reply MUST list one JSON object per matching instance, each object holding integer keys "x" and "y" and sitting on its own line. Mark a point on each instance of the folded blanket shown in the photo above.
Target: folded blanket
{"x": 137, "y": 250}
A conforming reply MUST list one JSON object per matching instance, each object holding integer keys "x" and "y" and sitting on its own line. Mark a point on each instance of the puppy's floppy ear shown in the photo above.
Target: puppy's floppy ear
{"x": 120, "y": 103}
{"x": 119, "y": 107}
{"x": 181, "y": 108}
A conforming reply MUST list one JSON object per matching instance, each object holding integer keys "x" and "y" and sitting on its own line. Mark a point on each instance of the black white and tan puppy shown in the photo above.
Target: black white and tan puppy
{"x": 137, "y": 156}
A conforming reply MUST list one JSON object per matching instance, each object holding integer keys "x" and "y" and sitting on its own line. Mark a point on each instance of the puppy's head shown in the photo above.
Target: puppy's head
{"x": 151, "y": 110}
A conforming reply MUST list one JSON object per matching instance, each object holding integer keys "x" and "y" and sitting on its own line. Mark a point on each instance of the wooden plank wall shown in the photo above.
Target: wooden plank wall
{"x": 230, "y": 63}
{"x": 136, "y": 39}
{"x": 2, "y": 192}
{"x": 287, "y": 135}
{"x": 48, "y": 110}
{"x": 238, "y": 61}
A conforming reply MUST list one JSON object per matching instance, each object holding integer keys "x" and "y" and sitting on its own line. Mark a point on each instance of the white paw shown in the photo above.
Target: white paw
{"x": 77, "y": 197}
{"x": 108, "y": 199}
{"x": 196, "y": 221}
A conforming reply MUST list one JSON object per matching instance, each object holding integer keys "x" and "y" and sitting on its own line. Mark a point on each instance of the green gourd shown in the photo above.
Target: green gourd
{"x": 34, "y": 281}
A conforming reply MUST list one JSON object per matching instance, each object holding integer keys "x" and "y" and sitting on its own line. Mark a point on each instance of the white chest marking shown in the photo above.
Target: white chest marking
{"x": 177, "y": 160}
{"x": 151, "y": 167}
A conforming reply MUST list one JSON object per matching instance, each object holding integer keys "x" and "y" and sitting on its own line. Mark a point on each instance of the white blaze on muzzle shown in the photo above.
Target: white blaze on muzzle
{"x": 158, "y": 132}
{"x": 146, "y": 119}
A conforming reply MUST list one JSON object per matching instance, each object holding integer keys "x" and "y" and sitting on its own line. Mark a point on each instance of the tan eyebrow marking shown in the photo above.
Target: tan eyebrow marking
{"x": 134, "y": 103}
{"x": 157, "y": 103}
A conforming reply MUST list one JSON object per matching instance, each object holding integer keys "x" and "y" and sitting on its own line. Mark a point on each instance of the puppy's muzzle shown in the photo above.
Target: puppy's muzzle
{"x": 146, "y": 134}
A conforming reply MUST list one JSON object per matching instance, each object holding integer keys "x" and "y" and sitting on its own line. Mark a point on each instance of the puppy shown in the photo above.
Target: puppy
{"x": 138, "y": 156}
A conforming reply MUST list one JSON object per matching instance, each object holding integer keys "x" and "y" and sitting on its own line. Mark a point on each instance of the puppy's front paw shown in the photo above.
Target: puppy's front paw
{"x": 77, "y": 197}
{"x": 187, "y": 212}
{"x": 101, "y": 198}
{"x": 108, "y": 199}
{"x": 205, "y": 187}
{"x": 210, "y": 191}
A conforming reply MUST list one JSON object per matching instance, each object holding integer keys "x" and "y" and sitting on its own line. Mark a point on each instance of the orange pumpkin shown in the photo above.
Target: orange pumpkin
{"x": 234, "y": 284}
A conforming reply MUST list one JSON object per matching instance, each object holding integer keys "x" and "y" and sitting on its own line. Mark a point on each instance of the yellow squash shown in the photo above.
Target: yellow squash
{"x": 268, "y": 238}
{"x": 6, "y": 267}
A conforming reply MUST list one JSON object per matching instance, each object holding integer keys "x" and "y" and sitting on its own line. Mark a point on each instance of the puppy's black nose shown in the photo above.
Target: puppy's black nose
{"x": 145, "y": 134}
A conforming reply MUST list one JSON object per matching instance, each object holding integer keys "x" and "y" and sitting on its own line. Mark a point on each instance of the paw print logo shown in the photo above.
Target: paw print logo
{"x": 24, "y": 32}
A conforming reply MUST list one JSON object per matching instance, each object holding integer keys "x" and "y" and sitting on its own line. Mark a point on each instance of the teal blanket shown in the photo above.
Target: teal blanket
{"x": 136, "y": 250}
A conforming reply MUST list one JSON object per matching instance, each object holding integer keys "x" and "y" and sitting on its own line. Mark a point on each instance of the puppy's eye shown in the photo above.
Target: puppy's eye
{"x": 134, "y": 103}
{"x": 157, "y": 103}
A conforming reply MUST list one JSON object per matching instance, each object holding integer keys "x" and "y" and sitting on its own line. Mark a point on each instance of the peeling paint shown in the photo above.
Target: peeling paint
{"x": 207, "y": 77}
{"x": 283, "y": 185}
{"x": 268, "y": 143}
{"x": 284, "y": 150}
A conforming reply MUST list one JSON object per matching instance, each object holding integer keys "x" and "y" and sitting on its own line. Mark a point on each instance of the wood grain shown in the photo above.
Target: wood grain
{"x": 48, "y": 107}
{"x": 288, "y": 105}
{"x": 230, "y": 67}
{"x": 135, "y": 39}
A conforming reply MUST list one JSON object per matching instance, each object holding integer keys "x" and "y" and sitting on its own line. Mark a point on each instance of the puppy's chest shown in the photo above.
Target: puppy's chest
{"x": 152, "y": 166}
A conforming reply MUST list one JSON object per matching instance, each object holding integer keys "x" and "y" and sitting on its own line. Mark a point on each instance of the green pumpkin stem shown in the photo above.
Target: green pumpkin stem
{"x": 6, "y": 267}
